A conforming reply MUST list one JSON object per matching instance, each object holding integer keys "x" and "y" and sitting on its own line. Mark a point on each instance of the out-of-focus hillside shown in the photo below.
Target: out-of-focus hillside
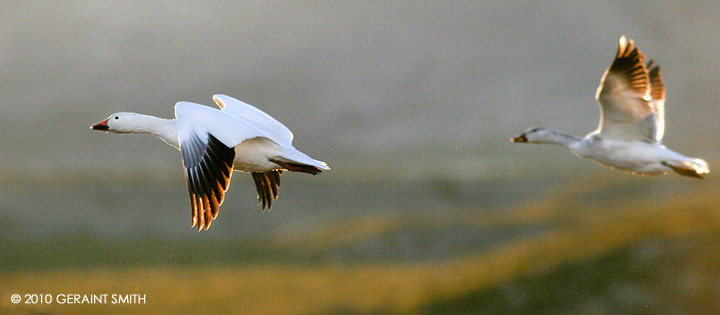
{"x": 555, "y": 252}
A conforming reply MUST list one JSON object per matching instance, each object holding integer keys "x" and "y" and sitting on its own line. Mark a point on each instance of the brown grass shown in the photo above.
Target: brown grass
{"x": 384, "y": 286}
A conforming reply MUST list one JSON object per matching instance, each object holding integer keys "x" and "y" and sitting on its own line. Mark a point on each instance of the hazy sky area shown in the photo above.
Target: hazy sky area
{"x": 363, "y": 85}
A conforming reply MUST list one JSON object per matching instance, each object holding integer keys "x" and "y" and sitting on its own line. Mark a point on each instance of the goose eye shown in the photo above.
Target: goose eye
{"x": 116, "y": 117}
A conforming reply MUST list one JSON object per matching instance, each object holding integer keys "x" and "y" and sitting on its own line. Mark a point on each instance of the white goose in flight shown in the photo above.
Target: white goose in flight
{"x": 214, "y": 142}
{"x": 632, "y": 122}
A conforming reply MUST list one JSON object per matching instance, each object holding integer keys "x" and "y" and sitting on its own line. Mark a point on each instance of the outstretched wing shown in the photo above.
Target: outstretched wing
{"x": 267, "y": 184}
{"x": 624, "y": 97}
{"x": 208, "y": 169}
{"x": 280, "y": 134}
{"x": 657, "y": 99}
{"x": 207, "y": 139}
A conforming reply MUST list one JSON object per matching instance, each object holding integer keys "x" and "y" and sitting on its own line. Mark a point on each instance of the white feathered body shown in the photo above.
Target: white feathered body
{"x": 256, "y": 137}
{"x": 639, "y": 157}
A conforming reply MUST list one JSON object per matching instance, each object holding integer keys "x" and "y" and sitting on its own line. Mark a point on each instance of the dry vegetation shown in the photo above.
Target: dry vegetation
{"x": 578, "y": 235}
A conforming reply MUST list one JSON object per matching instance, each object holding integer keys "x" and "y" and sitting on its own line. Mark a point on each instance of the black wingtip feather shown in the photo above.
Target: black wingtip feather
{"x": 208, "y": 169}
{"x": 630, "y": 63}
{"x": 267, "y": 184}
{"x": 657, "y": 87}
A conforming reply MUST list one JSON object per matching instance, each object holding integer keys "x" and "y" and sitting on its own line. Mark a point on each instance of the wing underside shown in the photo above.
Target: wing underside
{"x": 267, "y": 184}
{"x": 208, "y": 169}
{"x": 629, "y": 109}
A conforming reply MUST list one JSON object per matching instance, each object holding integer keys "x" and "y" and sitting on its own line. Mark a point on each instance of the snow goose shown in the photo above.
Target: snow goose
{"x": 632, "y": 122}
{"x": 213, "y": 142}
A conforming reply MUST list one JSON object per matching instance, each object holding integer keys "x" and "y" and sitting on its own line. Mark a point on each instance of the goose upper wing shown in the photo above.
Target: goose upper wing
{"x": 207, "y": 139}
{"x": 625, "y": 101}
{"x": 260, "y": 119}
{"x": 657, "y": 101}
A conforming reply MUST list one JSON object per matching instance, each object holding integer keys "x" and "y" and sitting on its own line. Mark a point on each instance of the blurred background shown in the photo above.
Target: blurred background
{"x": 428, "y": 208}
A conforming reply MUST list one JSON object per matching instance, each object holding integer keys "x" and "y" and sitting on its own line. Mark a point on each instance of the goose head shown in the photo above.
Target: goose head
{"x": 120, "y": 123}
{"x": 533, "y": 135}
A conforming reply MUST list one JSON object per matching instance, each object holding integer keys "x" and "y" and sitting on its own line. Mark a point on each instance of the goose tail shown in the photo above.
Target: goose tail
{"x": 691, "y": 168}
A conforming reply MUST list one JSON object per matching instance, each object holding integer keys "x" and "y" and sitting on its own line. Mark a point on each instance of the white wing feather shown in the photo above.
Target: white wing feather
{"x": 201, "y": 120}
{"x": 277, "y": 131}
{"x": 624, "y": 98}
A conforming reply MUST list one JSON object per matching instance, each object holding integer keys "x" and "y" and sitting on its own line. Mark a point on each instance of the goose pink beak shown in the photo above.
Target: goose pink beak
{"x": 103, "y": 126}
